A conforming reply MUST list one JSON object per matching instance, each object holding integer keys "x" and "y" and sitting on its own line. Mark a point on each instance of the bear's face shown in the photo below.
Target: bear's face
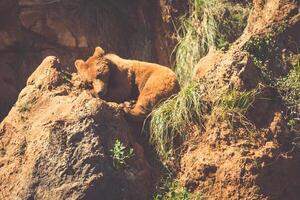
{"x": 95, "y": 71}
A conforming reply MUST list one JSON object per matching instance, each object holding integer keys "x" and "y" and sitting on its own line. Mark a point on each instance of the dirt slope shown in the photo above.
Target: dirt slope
{"x": 248, "y": 162}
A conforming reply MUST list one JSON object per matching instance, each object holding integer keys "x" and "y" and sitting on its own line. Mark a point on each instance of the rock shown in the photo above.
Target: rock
{"x": 55, "y": 144}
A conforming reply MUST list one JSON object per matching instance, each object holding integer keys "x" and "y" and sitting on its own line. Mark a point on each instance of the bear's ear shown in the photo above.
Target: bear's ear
{"x": 99, "y": 52}
{"x": 79, "y": 64}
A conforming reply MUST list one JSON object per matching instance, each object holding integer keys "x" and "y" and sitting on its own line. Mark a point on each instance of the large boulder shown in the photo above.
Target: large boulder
{"x": 56, "y": 143}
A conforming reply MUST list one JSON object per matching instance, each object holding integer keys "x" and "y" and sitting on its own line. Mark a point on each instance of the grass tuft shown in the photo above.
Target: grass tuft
{"x": 175, "y": 117}
{"x": 208, "y": 24}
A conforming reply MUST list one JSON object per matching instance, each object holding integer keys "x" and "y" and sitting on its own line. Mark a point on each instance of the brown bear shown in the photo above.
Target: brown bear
{"x": 118, "y": 80}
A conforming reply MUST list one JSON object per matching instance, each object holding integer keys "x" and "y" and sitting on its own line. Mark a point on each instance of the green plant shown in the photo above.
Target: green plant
{"x": 261, "y": 47}
{"x": 173, "y": 191}
{"x": 280, "y": 28}
{"x": 223, "y": 44}
{"x": 265, "y": 72}
{"x": 231, "y": 106}
{"x": 291, "y": 122}
{"x": 289, "y": 86}
{"x": 264, "y": 50}
{"x": 289, "y": 89}
{"x": 174, "y": 118}
{"x": 208, "y": 24}
{"x": 120, "y": 155}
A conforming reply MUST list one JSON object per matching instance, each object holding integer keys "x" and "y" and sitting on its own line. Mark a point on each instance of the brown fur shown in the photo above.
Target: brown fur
{"x": 118, "y": 80}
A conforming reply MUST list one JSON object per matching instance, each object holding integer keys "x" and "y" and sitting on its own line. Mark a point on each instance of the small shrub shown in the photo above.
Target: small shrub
{"x": 291, "y": 122}
{"x": 120, "y": 155}
{"x": 175, "y": 117}
{"x": 289, "y": 86}
{"x": 266, "y": 74}
{"x": 172, "y": 190}
{"x": 265, "y": 47}
{"x": 262, "y": 48}
{"x": 265, "y": 51}
{"x": 289, "y": 89}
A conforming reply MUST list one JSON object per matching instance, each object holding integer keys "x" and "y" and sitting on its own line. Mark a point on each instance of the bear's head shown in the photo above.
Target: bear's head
{"x": 95, "y": 71}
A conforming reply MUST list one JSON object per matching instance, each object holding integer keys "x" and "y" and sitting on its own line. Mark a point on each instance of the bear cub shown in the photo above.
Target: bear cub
{"x": 118, "y": 80}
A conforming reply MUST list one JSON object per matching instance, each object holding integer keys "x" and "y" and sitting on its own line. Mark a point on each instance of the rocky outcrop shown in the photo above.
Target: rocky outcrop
{"x": 56, "y": 143}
